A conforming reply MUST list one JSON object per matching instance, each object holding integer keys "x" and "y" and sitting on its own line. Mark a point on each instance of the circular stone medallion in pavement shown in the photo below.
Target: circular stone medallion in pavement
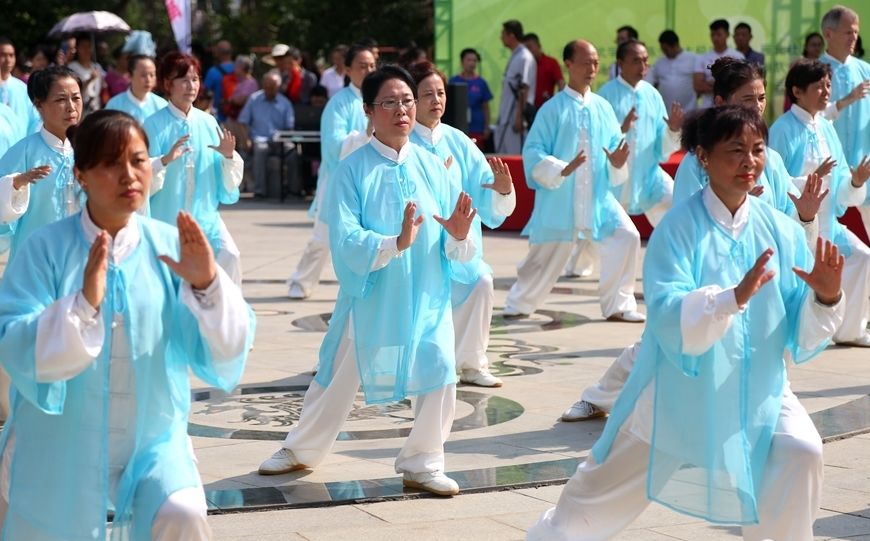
{"x": 267, "y": 413}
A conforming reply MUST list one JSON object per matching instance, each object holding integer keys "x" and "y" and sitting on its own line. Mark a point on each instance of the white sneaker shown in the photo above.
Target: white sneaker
{"x": 481, "y": 378}
{"x": 582, "y": 411}
{"x": 510, "y": 313}
{"x": 315, "y": 370}
{"x": 862, "y": 342}
{"x": 584, "y": 273}
{"x": 283, "y": 461}
{"x": 434, "y": 482}
{"x": 296, "y": 292}
{"x": 628, "y": 317}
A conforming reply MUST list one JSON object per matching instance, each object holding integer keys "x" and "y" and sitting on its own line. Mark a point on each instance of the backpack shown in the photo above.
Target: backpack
{"x": 229, "y": 82}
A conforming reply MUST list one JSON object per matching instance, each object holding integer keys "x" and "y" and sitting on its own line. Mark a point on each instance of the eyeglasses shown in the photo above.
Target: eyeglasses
{"x": 389, "y": 105}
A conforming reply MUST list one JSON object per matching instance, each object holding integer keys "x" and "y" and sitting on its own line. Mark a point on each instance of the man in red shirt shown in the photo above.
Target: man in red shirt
{"x": 550, "y": 79}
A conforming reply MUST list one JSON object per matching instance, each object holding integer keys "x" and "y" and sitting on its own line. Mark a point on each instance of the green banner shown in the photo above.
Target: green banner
{"x": 778, "y": 28}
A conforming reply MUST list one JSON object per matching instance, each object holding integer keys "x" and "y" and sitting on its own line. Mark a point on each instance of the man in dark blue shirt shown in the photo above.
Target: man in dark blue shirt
{"x": 214, "y": 78}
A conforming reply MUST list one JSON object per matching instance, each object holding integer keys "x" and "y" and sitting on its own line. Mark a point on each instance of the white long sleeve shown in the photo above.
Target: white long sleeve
{"x": 69, "y": 336}
{"x": 670, "y": 141}
{"x": 503, "y": 205}
{"x": 548, "y": 172}
{"x": 233, "y": 171}
{"x": 353, "y": 141}
{"x": 222, "y": 315}
{"x": 158, "y": 174}
{"x": 13, "y": 203}
{"x": 705, "y": 316}
{"x": 618, "y": 176}
{"x": 387, "y": 251}
{"x": 460, "y": 250}
{"x": 819, "y": 322}
{"x": 850, "y": 196}
{"x": 811, "y": 229}
{"x": 831, "y": 112}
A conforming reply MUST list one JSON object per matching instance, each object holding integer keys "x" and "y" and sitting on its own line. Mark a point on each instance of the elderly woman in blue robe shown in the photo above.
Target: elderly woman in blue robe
{"x": 707, "y": 423}
{"x": 392, "y": 328}
{"x": 101, "y": 316}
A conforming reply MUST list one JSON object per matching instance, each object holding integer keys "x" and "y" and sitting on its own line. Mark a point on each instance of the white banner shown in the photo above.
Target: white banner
{"x": 179, "y": 18}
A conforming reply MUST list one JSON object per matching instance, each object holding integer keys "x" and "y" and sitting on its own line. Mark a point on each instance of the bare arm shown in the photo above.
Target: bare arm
{"x": 701, "y": 85}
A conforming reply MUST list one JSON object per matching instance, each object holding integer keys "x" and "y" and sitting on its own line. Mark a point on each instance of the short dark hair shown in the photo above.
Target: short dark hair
{"x": 532, "y": 37}
{"x": 6, "y": 41}
{"x": 730, "y": 73}
{"x": 387, "y": 72}
{"x": 350, "y": 56}
{"x": 368, "y": 43}
{"x": 101, "y": 137}
{"x": 319, "y": 90}
{"x": 294, "y": 53}
{"x": 469, "y": 51}
{"x": 40, "y": 82}
{"x": 743, "y": 25}
{"x": 669, "y": 37}
{"x": 407, "y": 43}
{"x": 514, "y": 27}
{"x": 803, "y": 73}
{"x": 569, "y": 50}
{"x": 135, "y": 59}
{"x": 632, "y": 33}
{"x": 720, "y": 24}
{"x": 707, "y": 127}
{"x": 340, "y": 48}
{"x": 623, "y": 48}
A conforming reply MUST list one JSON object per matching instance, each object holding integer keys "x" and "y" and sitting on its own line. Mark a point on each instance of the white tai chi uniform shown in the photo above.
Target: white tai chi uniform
{"x": 600, "y": 500}
{"x": 578, "y": 203}
{"x": 343, "y": 130}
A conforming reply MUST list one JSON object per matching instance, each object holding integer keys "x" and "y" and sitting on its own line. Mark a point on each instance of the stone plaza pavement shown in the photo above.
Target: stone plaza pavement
{"x": 508, "y": 450}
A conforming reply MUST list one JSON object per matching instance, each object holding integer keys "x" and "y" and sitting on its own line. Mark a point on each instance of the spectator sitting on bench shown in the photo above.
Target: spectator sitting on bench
{"x": 267, "y": 112}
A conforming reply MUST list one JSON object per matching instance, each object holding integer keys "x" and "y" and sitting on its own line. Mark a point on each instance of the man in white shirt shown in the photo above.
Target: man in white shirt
{"x": 517, "y": 90}
{"x": 674, "y": 72}
{"x": 703, "y": 82}
{"x": 333, "y": 77}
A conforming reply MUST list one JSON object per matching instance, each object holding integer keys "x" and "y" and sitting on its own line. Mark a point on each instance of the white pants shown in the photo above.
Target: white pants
{"x": 583, "y": 255}
{"x": 182, "y": 517}
{"x": 228, "y": 257}
{"x": 856, "y": 287}
{"x": 865, "y": 217}
{"x": 600, "y": 500}
{"x": 316, "y": 256}
{"x": 604, "y": 393}
{"x": 325, "y": 409}
{"x": 509, "y": 142}
{"x": 539, "y": 271}
{"x": 471, "y": 321}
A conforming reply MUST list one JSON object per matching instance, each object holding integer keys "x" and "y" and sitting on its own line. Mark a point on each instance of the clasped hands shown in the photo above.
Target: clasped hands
{"x": 825, "y": 278}
{"x": 457, "y": 225}
{"x": 195, "y": 266}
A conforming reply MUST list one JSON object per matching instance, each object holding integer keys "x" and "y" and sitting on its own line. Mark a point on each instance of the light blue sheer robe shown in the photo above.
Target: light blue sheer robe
{"x": 123, "y": 102}
{"x": 13, "y": 92}
{"x": 791, "y": 139}
{"x": 402, "y": 314}
{"x": 715, "y": 413}
{"x": 52, "y": 198}
{"x": 775, "y": 179}
{"x": 59, "y": 488}
{"x": 468, "y": 173}
{"x": 164, "y": 129}
{"x": 342, "y": 116}
{"x": 647, "y": 180}
{"x": 11, "y": 129}
{"x": 556, "y": 133}
{"x": 853, "y": 124}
